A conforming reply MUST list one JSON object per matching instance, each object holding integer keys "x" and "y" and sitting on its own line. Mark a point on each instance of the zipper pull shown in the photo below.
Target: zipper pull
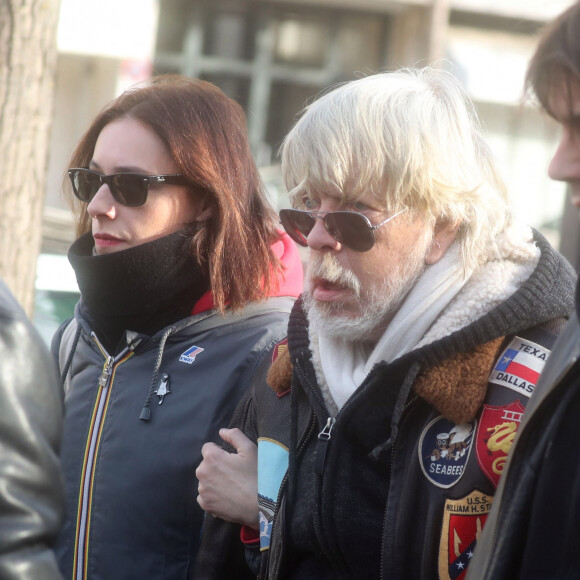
{"x": 106, "y": 374}
{"x": 323, "y": 440}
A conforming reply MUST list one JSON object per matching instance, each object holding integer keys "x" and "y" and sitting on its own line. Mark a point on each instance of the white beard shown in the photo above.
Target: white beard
{"x": 376, "y": 305}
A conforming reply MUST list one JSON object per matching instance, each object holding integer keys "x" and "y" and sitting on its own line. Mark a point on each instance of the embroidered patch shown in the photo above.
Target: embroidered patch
{"x": 189, "y": 355}
{"x": 495, "y": 435}
{"x": 444, "y": 449}
{"x": 463, "y": 520}
{"x": 272, "y": 466}
{"x": 519, "y": 366}
{"x": 279, "y": 349}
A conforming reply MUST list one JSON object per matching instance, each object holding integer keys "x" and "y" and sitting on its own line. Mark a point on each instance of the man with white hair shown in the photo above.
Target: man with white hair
{"x": 385, "y": 419}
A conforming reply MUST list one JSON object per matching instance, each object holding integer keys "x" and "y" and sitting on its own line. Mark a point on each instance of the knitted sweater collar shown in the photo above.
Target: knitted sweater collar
{"x": 142, "y": 289}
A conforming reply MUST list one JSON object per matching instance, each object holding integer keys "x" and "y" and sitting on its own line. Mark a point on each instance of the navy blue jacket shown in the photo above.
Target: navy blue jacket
{"x": 131, "y": 485}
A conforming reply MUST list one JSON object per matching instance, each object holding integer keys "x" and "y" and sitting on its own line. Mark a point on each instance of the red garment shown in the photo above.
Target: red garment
{"x": 249, "y": 536}
{"x": 289, "y": 282}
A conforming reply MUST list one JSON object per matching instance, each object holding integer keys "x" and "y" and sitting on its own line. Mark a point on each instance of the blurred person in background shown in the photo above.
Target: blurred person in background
{"x": 428, "y": 312}
{"x": 31, "y": 410}
{"x": 186, "y": 284}
{"x": 534, "y": 526}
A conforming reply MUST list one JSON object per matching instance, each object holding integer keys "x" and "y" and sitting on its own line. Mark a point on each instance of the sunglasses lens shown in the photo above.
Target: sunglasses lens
{"x": 298, "y": 224}
{"x": 85, "y": 184}
{"x": 350, "y": 229}
{"x": 129, "y": 189}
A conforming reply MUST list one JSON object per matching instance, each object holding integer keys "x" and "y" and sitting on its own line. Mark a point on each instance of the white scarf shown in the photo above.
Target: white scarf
{"x": 428, "y": 313}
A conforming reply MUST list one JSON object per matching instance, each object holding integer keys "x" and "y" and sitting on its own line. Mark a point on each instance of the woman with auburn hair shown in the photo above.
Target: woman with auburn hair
{"x": 186, "y": 286}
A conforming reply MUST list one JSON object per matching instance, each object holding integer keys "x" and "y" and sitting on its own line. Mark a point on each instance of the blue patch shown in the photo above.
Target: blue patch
{"x": 272, "y": 466}
{"x": 189, "y": 355}
{"x": 504, "y": 361}
{"x": 444, "y": 449}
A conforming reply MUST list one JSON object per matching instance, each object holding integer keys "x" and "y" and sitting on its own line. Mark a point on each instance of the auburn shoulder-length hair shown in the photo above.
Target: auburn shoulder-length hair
{"x": 205, "y": 132}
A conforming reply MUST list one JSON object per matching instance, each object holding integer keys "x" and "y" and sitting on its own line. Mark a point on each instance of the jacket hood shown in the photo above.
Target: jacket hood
{"x": 289, "y": 281}
{"x": 547, "y": 294}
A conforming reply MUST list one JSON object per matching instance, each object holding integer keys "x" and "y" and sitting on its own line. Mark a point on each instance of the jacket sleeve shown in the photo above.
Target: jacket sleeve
{"x": 31, "y": 409}
{"x": 222, "y": 553}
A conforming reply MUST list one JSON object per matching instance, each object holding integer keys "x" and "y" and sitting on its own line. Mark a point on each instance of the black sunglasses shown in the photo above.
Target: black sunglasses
{"x": 352, "y": 229}
{"x": 129, "y": 189}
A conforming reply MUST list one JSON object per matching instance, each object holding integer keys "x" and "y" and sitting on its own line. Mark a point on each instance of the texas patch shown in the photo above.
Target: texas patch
{"x": 444, "y": 449}
{"x": 463, "y": 521}
{"x": 495, "y": 436}
{"x": 519, "y": 366}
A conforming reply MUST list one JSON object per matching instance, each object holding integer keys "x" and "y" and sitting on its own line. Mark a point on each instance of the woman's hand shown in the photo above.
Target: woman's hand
{"x": 228, "y": 482}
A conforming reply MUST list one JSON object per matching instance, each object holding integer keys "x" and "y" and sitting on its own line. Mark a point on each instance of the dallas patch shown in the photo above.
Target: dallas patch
{"x": 519, "y": 366}
{"x": 495, "y": 435}
{"x": 444, "y": 449}
{"x": 189, "y": 355}
{"x": 463, "y": 520}
{"x": 272, "y": 466}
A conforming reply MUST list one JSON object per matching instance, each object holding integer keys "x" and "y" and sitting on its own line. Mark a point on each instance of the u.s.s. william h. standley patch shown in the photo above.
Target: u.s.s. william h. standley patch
{"x": 463, "y": 521}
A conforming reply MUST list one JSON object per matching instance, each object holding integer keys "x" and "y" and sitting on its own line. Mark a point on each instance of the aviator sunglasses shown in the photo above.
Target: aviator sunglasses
{"x": 129, "y": 189}
{"x": 352, "y": 229}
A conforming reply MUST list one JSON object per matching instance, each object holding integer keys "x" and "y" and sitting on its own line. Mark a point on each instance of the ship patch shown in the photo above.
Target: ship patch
{"x": 463, "y": 521}
{"x": 495, "y": 435}
{"x": 519, "y": 366}
{"x": 272, "y": 467}
{"x": 444, "y": 449}
{"x": 189, "y": 355}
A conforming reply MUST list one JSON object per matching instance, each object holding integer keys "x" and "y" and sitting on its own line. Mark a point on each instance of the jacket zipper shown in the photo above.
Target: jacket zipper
{"x": 281, "y": 491}
{"x": 322, "y": 446}
{"x": 408, "y": 404}
{"x": 104, "y": 383}
{"x": 321, "y": 452}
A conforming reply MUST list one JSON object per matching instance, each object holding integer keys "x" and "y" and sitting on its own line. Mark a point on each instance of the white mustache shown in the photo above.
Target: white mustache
{"x": 328, "y": 268}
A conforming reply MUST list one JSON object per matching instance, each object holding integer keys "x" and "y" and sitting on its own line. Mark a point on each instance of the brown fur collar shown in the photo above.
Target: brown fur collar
{"x": 280, "y": 374}
{"x": 456, "y": 387}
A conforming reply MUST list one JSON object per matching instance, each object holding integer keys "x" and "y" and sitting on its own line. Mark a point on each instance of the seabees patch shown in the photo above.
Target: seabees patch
{"x": 495, "y": 436}
{"x": 519, "y": 366}
{"x": 463, "y": 521}
{"x": 444, "y": 449}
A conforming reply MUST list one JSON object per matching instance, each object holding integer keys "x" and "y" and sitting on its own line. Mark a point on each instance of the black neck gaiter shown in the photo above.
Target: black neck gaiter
{"x": 142, "y": 289}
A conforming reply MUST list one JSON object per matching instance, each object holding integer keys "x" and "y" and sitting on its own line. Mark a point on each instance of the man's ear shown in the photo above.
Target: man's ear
{"x": 444, "y": 235}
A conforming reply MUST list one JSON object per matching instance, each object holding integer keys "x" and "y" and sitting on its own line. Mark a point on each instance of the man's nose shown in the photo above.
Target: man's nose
{"x": 319, "y": 239}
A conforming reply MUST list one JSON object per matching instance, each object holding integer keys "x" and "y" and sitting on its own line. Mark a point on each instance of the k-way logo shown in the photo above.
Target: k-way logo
{"x": 189, "y": 355}
{"x": 519, "y": 366}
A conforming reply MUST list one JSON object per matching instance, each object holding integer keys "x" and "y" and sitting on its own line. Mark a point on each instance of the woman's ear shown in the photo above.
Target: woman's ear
{"x": 444, "y": 235}
{"x": 206, "y": 208}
